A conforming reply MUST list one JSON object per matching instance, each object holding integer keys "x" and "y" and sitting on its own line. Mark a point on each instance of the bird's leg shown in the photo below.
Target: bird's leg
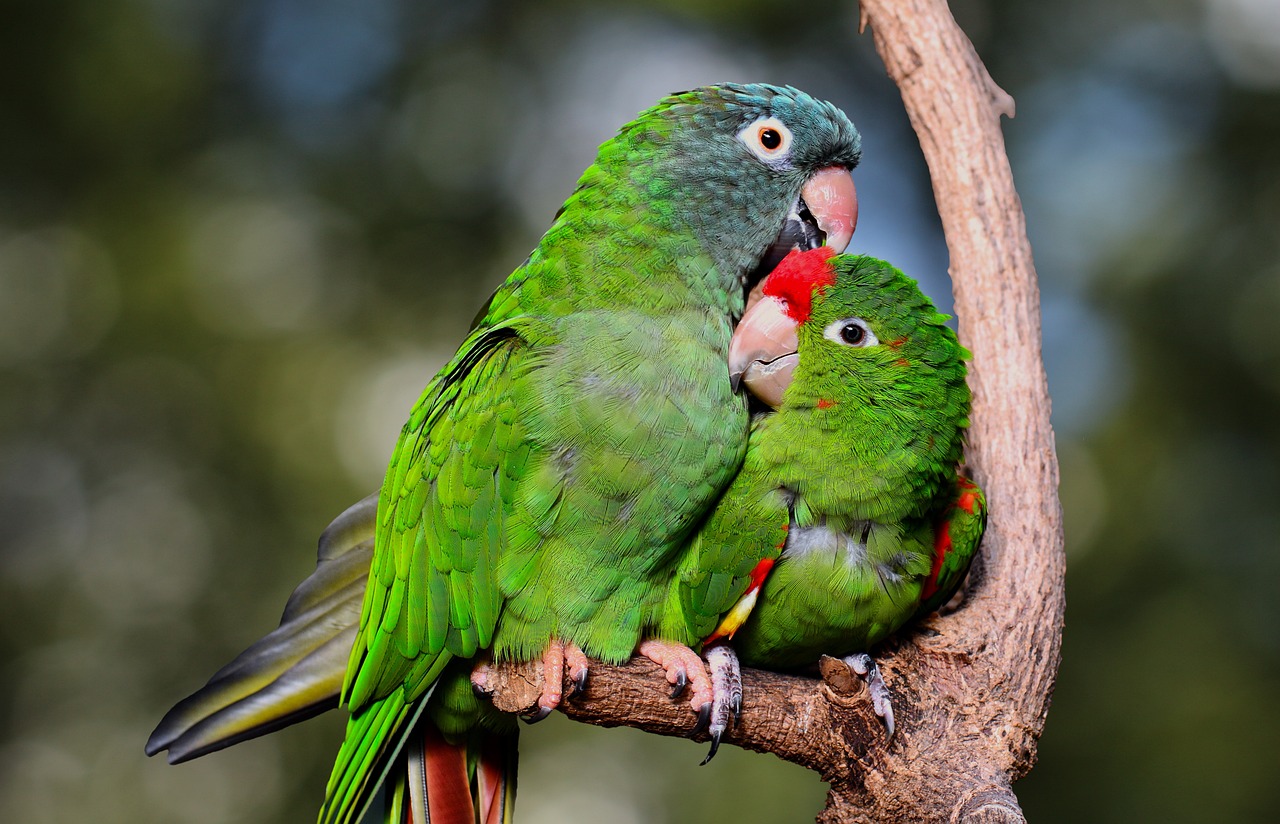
{"x": 726, "y": 688}
{"x": 866, "y": 668}
{"x": 716, "y": 686}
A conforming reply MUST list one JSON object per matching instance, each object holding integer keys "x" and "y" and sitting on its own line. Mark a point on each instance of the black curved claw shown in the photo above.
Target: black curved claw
{"x": 737, "y": 707}
{"x": 704, "y": 720}
{"x": 682, "y": 681}
{"x": 580, "y": 682}
{"x": 715, "y": 745}
{"x": 536, "y": 716}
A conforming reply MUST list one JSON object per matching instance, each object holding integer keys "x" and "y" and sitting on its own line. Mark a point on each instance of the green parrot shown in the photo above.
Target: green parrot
{"x": 848, "y": 517}
{"x": 539, "y": 497}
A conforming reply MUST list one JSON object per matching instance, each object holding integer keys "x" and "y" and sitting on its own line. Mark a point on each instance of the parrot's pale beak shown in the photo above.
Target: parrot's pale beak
{"x": 825, "y": 214}
{"x": 763, "y": 351}
{"x": 833, "y": 202}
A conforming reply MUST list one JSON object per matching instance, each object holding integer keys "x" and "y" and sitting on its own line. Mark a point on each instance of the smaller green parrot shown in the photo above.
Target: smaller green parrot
{"x": 849, "y": 517}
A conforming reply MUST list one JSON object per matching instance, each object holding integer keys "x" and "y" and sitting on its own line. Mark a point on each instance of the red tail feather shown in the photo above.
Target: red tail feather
{"x": 473, "y": 782}
{"x": 494, "y": 769}
{"x": 445, "y": 776}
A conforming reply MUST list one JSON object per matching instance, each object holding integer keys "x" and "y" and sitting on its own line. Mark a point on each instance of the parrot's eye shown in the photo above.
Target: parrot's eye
{"x": 767, "y": 138}
{"x": 851, "y": 332}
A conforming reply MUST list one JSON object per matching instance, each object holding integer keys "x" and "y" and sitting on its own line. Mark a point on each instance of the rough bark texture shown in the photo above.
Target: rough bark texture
{"x": 970, "y": 689}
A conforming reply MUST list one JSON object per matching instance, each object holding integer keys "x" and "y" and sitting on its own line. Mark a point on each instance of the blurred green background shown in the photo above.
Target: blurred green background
{"x": 236, "y": 238}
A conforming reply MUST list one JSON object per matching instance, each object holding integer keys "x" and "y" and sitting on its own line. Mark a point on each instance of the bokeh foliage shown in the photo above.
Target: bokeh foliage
{"x": 236, "y": 238}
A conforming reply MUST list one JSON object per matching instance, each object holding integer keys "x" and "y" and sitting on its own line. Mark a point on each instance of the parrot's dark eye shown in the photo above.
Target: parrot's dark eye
{"x": 768, "y": 139}
{"x": 851, "y": 332}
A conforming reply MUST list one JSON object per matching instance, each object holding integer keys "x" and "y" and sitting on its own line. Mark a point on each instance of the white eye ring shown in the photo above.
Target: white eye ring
{"x": 767, "y": 138}
{"x": 850, "y": 332}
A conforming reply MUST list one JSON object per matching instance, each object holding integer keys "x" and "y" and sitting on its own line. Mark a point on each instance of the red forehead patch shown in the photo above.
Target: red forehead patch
{"x": 798, "y": 276}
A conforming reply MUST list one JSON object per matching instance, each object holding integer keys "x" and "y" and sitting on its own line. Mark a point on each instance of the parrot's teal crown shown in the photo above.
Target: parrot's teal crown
{"x": 824, "y": 135}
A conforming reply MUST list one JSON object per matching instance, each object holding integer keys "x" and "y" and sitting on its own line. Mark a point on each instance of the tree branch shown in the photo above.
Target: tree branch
{"x": 971, "y": 689}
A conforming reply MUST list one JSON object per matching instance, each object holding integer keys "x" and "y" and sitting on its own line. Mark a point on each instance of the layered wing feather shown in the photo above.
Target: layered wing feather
{"x": 431, "y": 588}
{"x": 432, "y": 593}
{"x": 748, "y": 525}
{"x": 957, "y": 535}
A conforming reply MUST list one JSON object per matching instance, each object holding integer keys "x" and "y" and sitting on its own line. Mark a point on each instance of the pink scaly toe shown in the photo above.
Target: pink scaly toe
{"x": 684, "y": 668}
{"x": 559, "y": 658}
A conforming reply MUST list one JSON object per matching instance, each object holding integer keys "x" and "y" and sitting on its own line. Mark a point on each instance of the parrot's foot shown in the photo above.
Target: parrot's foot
{"x": 716, "y": 685}
{"x": 559, "y": 658}
{"x": 726, "y": 687}
{"x": 684, "y": 669}
{"x": 867, "y": 669}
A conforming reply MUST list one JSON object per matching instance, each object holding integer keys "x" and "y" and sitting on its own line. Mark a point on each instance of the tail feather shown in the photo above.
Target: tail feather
{"x": 446, "y": 789}
{"x": 296, "y": 671}
{"x": 376, "y": 735}
{"x": 345, "y": 801}
{"x": 396, "y": 767}
{"x": 495, "y": 779}
{"x": 470, "y": 782}
{"x": 212, "y": 719}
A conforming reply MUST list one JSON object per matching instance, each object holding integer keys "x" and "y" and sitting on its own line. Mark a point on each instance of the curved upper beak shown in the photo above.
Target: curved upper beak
{"x": 833, "y": 201}
{"x": 763, "y": 352}
{"x": 825, "y": 214}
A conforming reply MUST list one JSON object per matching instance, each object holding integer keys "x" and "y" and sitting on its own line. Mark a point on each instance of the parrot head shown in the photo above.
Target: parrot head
{"x": 848, "y": 330}
{"x": 755, "y": 171}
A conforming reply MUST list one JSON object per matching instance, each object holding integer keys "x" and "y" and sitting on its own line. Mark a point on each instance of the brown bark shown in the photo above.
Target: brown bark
{"x": 971, "y": 689}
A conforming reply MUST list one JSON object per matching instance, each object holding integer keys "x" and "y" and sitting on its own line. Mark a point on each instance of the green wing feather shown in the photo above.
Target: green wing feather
{"x": 748, "y": 525}
{"x": 431, "y": 589}
{"x": 958, "y": 532}
{"x": 432, "y": 593}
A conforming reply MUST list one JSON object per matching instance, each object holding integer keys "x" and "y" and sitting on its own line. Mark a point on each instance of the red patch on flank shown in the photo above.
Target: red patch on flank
{"x": 823, "y": 403}
{"x": 902, "y": 362}
{"x": 942, "y": 547}
{"x": 797, "y": 277}
{"x": 969, "y": 497}
{"x": 760, "y": 572}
